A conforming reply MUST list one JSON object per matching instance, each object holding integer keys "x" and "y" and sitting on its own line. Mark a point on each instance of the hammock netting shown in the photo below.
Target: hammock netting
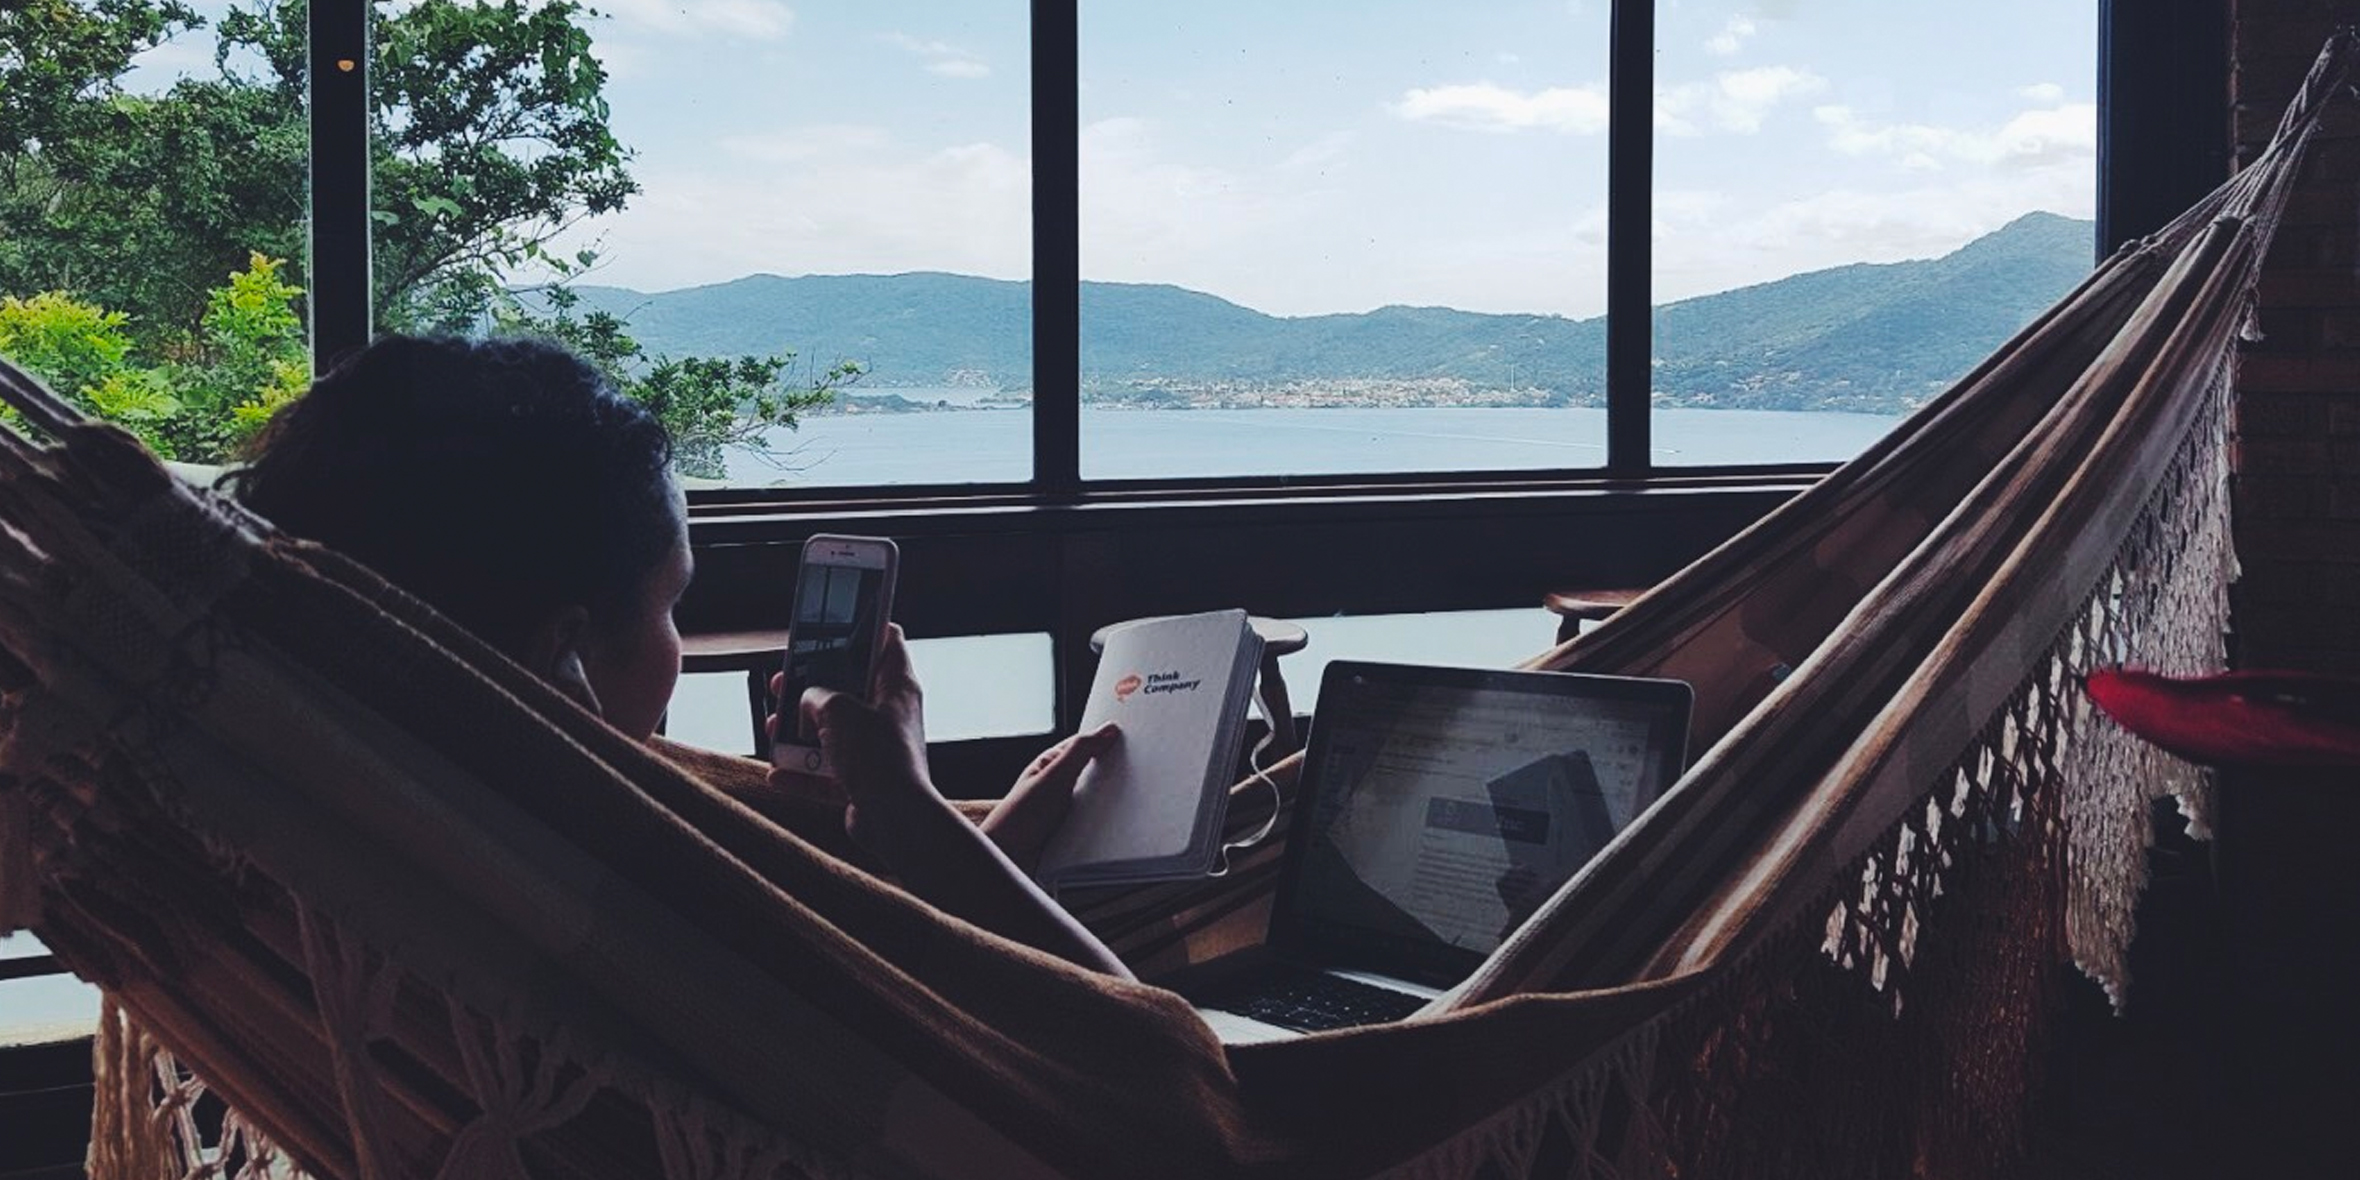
{"x": 400, "y": 909}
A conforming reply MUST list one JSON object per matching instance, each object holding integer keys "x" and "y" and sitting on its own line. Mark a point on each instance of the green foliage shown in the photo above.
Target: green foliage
{"x": 489, "y": 138}
{"x": 203, "y": 397}
{"x": 75, "y": 346}
{"x": 488, "y": 133}
{"x": 709, "y": 404}
{"x": 246, "y": 362}
{"x": 137, "y": 203}
{"x": 141, "y": 203}
{"x": 140, "y": 397}
{"x": 53, "y": 52}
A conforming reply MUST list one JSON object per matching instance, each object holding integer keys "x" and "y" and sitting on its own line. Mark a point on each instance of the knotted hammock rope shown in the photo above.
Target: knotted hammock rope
{"x": 406, "y": 911}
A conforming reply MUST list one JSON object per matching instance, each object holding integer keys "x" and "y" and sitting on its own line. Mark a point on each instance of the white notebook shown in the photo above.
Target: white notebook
{"x": 1152, "y": 809}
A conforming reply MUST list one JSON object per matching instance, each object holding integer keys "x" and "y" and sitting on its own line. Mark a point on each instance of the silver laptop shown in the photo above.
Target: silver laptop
{"x": 1439, "y": 807}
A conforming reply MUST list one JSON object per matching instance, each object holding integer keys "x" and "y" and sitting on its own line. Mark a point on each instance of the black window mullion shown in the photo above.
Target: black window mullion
{"x": 1057, "y": 314}
{"x": 1630, "y": 177}
{"x": 339, "y": 276}
{"x": 1056, "y": 250}
{"x": 2163, "y": 112}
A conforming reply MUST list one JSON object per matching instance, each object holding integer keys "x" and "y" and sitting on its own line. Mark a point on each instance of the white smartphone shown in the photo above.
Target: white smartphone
{"x": 843, "y": 600}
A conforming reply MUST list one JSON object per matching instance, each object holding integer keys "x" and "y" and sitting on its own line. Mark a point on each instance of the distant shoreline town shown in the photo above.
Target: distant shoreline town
{"x": 1868, "y": 338}
{"x": 1153, "y": 394}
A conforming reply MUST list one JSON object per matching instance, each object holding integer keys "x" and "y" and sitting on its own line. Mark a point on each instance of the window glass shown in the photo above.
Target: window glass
{"x": 1464, "y": 639}
{"x": 986, "y": 685}
{"x": 710, "y": 710}
{"x": 1854, "y": 203}
{"x": 977, "y": 686}
{"x": 1341, "y": 237}
{"x": 47, "y": 1008}
{"x": 42, "y": 1007}
{"x": 749, "y": 213}
{"x": 152, "y": 217}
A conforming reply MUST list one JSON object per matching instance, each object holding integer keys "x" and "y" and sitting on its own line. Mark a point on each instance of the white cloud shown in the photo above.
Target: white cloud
{"x": 923, "y": 48}
{"x": 801, "y": 144}
{"x": 1270, "y": 234}
{"x": 1761, "y": 87}
{"x": 942, "y": 57}
{"x": 760, "y": 20}
{"x": 1883, "y": 192}
{"x": 622, "y": 60}
{"x": 1677, "y": 210}
{"x": 2030, "y": 139}
{"x": 1327, "y": 154}
{"x": 185, "y": 56}
{"x": 2048, "y": 92}
{"x": 1488, "y": 107}
{"x": 1704, "y": 243}
{"x": 833, "y": 199}
{"x": 1140, "y": 203}
{"x": 1731, "y": 38}
{"x": 1736, "y": 102}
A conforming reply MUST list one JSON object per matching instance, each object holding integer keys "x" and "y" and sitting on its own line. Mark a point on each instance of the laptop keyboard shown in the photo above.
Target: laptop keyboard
{"x": 1314, "y": 1001}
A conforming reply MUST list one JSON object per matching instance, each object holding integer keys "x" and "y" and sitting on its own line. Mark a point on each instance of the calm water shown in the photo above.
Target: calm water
{"x": 996, "y": 445}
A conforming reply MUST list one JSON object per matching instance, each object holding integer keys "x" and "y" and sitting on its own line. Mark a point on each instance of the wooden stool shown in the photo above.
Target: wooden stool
{"x": 755, "y": 653}
{"x": 1572, "y": 607}
{"x": 1278, "y": 639}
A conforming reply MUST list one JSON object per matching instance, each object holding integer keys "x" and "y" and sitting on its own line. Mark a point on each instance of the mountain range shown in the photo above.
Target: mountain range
{"x": 1874, "y": 338}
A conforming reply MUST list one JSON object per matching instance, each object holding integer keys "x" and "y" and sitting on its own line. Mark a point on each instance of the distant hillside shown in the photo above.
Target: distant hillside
{"x": 1867, "y": 337}
{"x": 1876, "y": 338}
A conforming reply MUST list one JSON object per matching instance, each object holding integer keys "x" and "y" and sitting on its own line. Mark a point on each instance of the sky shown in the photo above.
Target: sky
{"x": 1318, "y": 156}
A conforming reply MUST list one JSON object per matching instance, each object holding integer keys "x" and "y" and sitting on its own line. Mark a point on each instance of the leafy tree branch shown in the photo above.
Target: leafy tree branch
{"x": 148, "y": 235}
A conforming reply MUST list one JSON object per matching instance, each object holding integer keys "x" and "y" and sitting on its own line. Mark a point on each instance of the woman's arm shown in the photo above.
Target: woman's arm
{"x": 892, "y": 809}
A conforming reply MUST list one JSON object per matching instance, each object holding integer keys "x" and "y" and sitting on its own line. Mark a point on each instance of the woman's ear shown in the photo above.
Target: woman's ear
{"x": 553, "y": 651}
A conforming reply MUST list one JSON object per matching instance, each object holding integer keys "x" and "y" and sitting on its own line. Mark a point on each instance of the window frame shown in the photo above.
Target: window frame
{"x": 2157, "y": 58}
{"x": 2145, "y": 54}
{"x": 2162, "y": 142}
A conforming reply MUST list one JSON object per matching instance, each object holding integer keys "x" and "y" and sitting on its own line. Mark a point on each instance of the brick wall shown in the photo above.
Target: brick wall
{"x": 2297, "y": 492}
{"x": 2289, "y": 847}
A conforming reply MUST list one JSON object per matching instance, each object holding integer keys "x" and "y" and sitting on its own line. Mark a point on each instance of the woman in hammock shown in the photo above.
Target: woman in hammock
{"x": 507, "y": 484}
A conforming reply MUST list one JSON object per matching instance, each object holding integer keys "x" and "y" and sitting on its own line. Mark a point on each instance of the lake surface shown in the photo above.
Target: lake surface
{"x": 995, "y": 445}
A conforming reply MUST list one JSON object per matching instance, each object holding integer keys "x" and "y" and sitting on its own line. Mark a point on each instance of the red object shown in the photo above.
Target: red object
{"x": 2252, "y": 718}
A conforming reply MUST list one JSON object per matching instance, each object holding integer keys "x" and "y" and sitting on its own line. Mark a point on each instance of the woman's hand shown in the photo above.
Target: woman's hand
{"x": 877, "y": 749}
{"x": 877, "y": 752}
{"x": 1037, "y": 805}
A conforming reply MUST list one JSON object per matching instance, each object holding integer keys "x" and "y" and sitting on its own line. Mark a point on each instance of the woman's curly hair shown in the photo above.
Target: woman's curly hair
{"x": 496, "y": 479}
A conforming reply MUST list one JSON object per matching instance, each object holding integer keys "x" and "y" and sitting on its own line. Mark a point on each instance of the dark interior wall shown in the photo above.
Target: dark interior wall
{"x": 2289, "y": 875}
{"x": 2297, "y": 487}
{"x": 2163, "y": 124}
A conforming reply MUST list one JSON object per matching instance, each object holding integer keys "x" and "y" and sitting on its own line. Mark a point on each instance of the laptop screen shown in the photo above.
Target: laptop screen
{"x": 1441, "y": 806}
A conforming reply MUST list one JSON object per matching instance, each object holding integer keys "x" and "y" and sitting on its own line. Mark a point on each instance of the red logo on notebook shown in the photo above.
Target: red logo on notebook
{"x": 1124, "y": 687}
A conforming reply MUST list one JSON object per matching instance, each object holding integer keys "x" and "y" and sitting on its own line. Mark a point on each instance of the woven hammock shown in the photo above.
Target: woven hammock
{"x": 407, "y": 911}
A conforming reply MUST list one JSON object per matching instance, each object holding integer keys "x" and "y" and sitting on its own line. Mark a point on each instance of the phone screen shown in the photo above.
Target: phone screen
{"x": 834, "y": 630}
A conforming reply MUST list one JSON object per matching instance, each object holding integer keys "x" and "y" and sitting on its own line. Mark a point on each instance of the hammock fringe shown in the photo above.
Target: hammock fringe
{"x": 406, "y": 910}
